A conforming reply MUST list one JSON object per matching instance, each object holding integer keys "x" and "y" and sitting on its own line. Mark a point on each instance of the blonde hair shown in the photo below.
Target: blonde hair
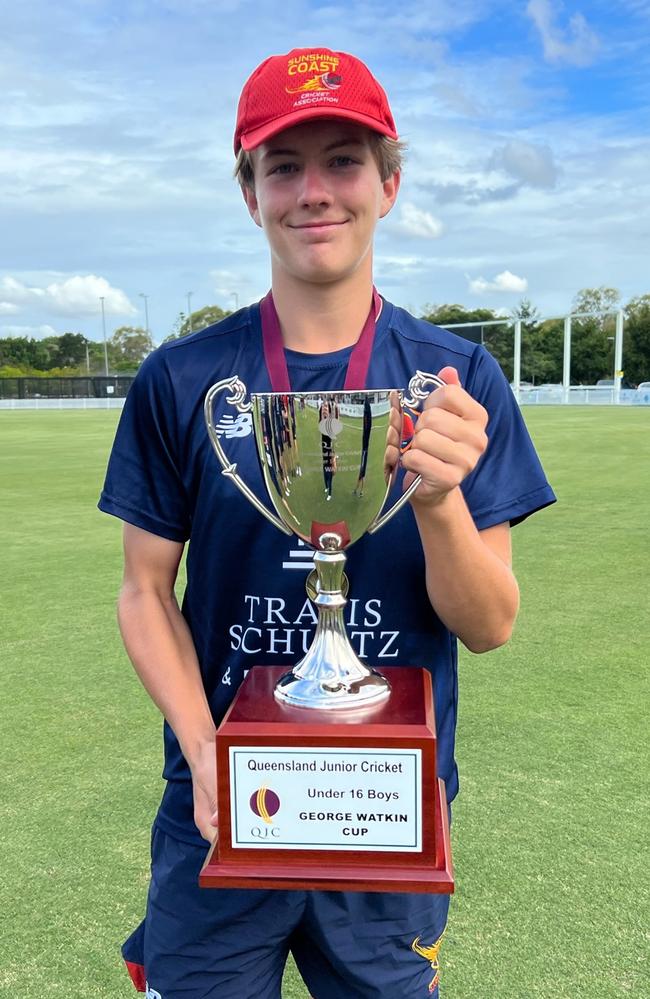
{"x": 388, "y": 153}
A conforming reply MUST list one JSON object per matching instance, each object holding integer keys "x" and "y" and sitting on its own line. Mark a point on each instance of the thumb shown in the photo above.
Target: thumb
{"x": 449, "y": 375}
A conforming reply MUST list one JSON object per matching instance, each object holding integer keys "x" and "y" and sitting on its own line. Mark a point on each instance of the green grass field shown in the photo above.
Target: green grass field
{"x": 550, "y": 830}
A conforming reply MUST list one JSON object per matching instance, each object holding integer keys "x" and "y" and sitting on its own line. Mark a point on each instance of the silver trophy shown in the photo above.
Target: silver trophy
{"x": 328, "y": 460}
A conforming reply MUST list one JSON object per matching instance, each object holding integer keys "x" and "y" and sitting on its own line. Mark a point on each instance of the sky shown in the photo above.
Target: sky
{"x": 527, "y": 173}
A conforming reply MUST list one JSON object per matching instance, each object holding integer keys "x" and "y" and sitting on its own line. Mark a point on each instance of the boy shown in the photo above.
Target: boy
{"x": 318, "y": 162}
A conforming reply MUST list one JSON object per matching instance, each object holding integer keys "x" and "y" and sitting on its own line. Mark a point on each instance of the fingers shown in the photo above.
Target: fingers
{"x": 453, "y": 398}
{"x": 450, "y": 437}
{"x": 444, "y": 464}
{"x": 449, "y": 375}
{"x": 205, "y": 817}
{"x": 443, "y": 423}
{"x": 207, "y": 829}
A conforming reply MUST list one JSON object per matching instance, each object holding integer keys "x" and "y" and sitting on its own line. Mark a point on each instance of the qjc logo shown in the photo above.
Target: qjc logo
{"x": 229, "y": 426}
{"x": 265, "y": 803}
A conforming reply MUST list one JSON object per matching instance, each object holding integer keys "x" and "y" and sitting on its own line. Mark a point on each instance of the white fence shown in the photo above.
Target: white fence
{"x": 582, "y": 395}
{"x": 107, "y": 403}
{"x": 577, "y": 395}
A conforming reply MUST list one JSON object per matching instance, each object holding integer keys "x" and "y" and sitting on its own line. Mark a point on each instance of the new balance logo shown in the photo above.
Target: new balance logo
{"x": 151, "y": 993}
{"x": 229, "y": 426}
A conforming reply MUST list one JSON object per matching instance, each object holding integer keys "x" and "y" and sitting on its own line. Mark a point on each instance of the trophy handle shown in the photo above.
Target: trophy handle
{"x": 417, "y": 391}
{"x": 237, "y": 391}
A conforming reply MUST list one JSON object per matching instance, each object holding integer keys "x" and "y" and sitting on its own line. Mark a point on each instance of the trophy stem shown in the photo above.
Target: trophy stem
{"x": 331, "y": 675}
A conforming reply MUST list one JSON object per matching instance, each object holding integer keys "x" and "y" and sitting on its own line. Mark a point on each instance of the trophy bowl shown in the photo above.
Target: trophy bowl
{"x": 324, "y": 460}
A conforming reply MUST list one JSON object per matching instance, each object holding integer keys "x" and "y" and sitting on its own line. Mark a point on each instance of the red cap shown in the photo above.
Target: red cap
{"x": 309, "y": 83}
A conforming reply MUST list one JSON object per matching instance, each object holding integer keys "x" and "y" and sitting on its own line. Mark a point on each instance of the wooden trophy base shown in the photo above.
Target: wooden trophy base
{"x": 360, "y": 809}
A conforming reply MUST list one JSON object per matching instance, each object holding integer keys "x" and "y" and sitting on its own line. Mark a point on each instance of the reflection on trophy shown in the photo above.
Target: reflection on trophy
{"x": 328, "y": 461}
{"x": 295, "y": 786}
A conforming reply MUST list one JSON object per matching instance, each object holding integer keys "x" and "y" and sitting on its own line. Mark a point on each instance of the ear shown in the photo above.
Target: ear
{"x": 390, "y": 188}
{"x": 251, "y": 203}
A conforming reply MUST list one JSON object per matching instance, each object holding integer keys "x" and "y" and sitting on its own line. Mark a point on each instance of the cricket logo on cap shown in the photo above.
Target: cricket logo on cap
{"x": 321, "y": 68}
{"x": 265, "y": 803}
{"x": 328, "y": 81}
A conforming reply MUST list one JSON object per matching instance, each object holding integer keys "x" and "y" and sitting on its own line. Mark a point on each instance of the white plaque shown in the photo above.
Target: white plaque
{"x": 327, "y": 799}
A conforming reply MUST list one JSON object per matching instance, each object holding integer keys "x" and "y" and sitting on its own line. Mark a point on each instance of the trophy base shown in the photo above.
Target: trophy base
{"x": 330, "y": 801}
{"x": 357, "y": 875}
{"x": 346, "y": 694}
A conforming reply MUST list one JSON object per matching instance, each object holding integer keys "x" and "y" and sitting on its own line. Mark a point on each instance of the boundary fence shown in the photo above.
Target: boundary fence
{"x": 65, "y": 388}
{"x": 44, "y": 403}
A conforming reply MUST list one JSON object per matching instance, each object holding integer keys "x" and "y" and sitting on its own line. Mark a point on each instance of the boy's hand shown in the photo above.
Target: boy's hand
{"x": 204, "y": 787}
{"x": 449, "y": 439}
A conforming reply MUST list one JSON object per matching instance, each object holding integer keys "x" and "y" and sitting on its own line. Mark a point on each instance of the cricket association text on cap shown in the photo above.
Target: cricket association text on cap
{"x": 309, "y": 83}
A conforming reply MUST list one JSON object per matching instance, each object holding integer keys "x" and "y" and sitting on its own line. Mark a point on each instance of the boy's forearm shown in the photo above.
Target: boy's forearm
{"x": 472, "y": 589}
{"x": 160, "y": 646}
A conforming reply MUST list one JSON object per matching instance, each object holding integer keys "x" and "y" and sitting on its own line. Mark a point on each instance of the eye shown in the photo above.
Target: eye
{"x": 283, "y": 168}
{"x": 342, "y": 161}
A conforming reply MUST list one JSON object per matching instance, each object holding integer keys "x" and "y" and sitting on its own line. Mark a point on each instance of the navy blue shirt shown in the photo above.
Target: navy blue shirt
{"x": 245, "y": 601}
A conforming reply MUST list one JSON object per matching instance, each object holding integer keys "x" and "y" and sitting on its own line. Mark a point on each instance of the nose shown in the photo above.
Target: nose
{"x": 314, "y": 189}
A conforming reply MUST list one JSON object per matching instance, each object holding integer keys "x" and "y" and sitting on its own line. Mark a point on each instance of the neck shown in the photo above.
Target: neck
{"x": 318, "y": 319}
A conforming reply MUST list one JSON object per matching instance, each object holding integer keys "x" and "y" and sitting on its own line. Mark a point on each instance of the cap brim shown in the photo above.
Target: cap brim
{"x": 254, "y": 138}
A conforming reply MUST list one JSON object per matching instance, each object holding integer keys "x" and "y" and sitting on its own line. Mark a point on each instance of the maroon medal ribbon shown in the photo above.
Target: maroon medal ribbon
{"x": 276, "y": 362}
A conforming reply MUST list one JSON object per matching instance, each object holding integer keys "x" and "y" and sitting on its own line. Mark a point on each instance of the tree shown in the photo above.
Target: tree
{"x": 16, "y": 351}
{"x": 43, "y": 353}
{"x": 498, "y": 339}
{"x": 600, "y": 300}
{"x": 65, "y": 351}
{"x": 592, "y": 338}
{"x": 128, "y": 347}
{"x": 206, "y": 316}
{"x": 70, "y": 351}
{"x": 636, "y": 339}
{"x": 541, "y": 345}
{"x": 546, "y": 354}
{"x": 451, "y": 315}
{"x": 96, "y": 359}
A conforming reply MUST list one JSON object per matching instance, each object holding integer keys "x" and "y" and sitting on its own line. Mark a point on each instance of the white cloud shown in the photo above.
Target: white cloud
{"x": 505, "y": 281}
{"x": 394, "y": 266}
{"x": 416, "y": 221}
{"x": 576, "y": 45}
{"x": 75, "y": 296}
{"x": 35, "y": 332}
{"x": 529, "y": 163}
{"x": 8, "y": 309}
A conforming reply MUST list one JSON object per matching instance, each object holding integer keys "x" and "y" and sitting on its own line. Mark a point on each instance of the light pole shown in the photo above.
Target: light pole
{"x": 101, "y": 299}
{"x": 189, "y": 308}
{"x": 233, "y": 294}
{"x": 146, "y": 311}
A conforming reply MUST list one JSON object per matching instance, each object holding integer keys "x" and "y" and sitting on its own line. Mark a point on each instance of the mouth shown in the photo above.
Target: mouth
{"x": 317, "y": 226}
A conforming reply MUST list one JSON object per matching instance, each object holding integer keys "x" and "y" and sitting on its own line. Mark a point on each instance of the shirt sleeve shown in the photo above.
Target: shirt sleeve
{"x": 144, "y": 485}
{"x": 508, "y": 483}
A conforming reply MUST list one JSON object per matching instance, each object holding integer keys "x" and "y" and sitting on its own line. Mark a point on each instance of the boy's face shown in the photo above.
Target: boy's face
{"x": 318, "y": 196}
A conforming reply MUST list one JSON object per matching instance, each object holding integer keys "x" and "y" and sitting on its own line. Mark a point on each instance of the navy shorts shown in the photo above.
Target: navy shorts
{"x": 207, "y": 943}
